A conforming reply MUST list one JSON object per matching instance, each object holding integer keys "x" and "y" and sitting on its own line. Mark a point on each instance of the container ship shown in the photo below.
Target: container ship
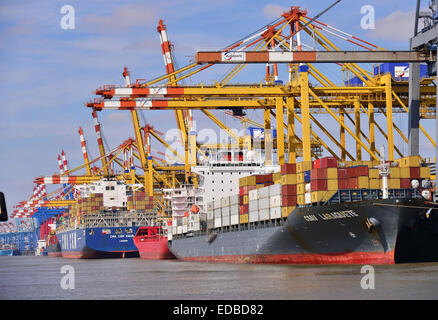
{"x": 320, "y": 212}
{"x": 103, "y": 222}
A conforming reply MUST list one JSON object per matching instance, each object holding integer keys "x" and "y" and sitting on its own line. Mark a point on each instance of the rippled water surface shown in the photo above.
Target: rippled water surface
{"x": 29, "y": 277}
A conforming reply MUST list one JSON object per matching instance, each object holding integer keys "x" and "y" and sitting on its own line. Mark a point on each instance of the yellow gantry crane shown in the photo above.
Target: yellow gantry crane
{"x": 300, "y": 99}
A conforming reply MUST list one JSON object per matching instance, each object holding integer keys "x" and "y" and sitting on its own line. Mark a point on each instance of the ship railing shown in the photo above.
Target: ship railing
{"x": 351, "y": 195}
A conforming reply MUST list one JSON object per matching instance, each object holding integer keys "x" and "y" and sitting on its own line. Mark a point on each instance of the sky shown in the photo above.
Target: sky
{"x": 48, "y": 73}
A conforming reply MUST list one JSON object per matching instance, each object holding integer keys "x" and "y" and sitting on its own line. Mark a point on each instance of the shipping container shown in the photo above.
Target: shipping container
{"x": 289, "y": 189}
{"x": 286, "y": 211}
{"x": 288, "y": 168}
{"x": 275, "y": 190}
{"x": 275, "y": 201}
{"x": 264, "y": 214}
{"x": 275, "y": 213}
{"x": 263, "y": 203}
{"x": 263, "y": 193}
{"x": 253, "y": 216}
{"x": 290, "y": 178}
{"x": 304, "y": 166}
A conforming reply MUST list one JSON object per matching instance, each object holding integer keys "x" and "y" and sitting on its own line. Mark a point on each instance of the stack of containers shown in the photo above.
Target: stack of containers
{"x": 225, "y": 209}
{"x": 263, "y": 203}
{"x": 253, "y": 206}
{"x": 288, "y": 188}
{"x": 140, "y": 201}
{"x": 217, "y": 213}
{"x": 234, "y": 209}
{"x": 275, "y": 201}
{"x": 358, "y": 177}
{"x": 303, "y": 178}
{"x": 210, "y": 215}
{"x": 324, "y": 179}
{"x": 246, "y": 184}
{"x": 185, "y": 223}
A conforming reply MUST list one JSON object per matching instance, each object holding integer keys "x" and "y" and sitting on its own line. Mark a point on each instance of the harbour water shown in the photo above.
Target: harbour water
{"x": 28, "y": 278}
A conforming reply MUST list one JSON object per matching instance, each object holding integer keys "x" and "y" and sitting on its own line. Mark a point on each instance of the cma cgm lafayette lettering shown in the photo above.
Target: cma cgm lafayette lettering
{"x": 271, "y": 221}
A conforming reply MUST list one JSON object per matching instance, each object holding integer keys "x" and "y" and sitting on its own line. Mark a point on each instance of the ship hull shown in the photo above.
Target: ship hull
{"x": 6, "y": 252}
{"x": 94, "y": 243}
{"x": 155, "y": 249}
{"x": 330, "y": 234}
{"x": 54, "y": 250}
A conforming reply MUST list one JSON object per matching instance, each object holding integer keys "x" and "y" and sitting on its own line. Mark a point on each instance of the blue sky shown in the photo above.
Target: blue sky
{"x": 48, "y": 73}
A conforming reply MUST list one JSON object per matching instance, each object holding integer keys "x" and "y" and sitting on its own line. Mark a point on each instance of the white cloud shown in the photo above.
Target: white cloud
{"x": 399, "y": 25}
{"x": 273, "y": 11}
{"x": 122, "y": 18}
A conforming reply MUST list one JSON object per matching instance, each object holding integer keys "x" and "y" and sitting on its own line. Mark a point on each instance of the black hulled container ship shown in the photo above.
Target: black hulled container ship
{"x": 320, "y": 212}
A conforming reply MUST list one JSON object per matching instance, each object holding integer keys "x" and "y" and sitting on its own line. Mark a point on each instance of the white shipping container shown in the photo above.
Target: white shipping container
{"x": 253, "y": 205}
{"x": 225, "y": 221}
{"x": 275, "y": 189}
{"x": 185, "y": 220}
{"x": 234, "y": 200}
{"x": 275, "y": 213}
{"x": 194, "y": 217}
{"x": 225, "y": 211}
{"x": 308, "y": 197}
{"x": 196, "y": 226}
{"x": 174, "y": 229}
{"x": 234, "y": 220}
{"x": 225, "y": 202}
{"x": 264, "y": 214}
{"x": 210, "y": 215}
{"x": 179, "y": 229}
{"x": 263, "y": 203}
{"x": 253, "y": 194}
{"x": 217, "y": 204}
{"x": 210, "y": 206}
{"x": 184, "y": 228}
{"x": 253, "y": 216}
{"x": 218, "y": 222}
{"x": 263, "y": 192}
{"x": 275, "y": 201}
{"x": 234, "y": 210}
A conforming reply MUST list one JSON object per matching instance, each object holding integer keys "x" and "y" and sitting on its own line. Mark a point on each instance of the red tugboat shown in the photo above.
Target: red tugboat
{"x": 151, "y": 243}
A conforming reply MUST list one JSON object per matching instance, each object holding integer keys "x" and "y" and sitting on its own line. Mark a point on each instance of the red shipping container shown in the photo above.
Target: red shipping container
{"x": 318, "y": 185}
{"x": 318, "y": 173}
{"x": 342, "y": 183}
{"x": 266, "y": 184}
{"x": 351, "y": 172}
{"x": 326, "y": 162}
{"x": 241, "y": 191}
{"x": 288, "y": 168}
{"x": 241, "y": 200}
{"x": 353, "y": 183}
{"x": 288, "y": 201}
{"x": 251, "y": 188}
{"x": 289, "y": 189}
{"x": 260, "y": 178}
{"x": 415, "y": 172}
{"x": 362, "y": 171}
{"x": 342, "y": 174}
{"x": 244, "y": 209}
{"x": 405, "y": 183}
